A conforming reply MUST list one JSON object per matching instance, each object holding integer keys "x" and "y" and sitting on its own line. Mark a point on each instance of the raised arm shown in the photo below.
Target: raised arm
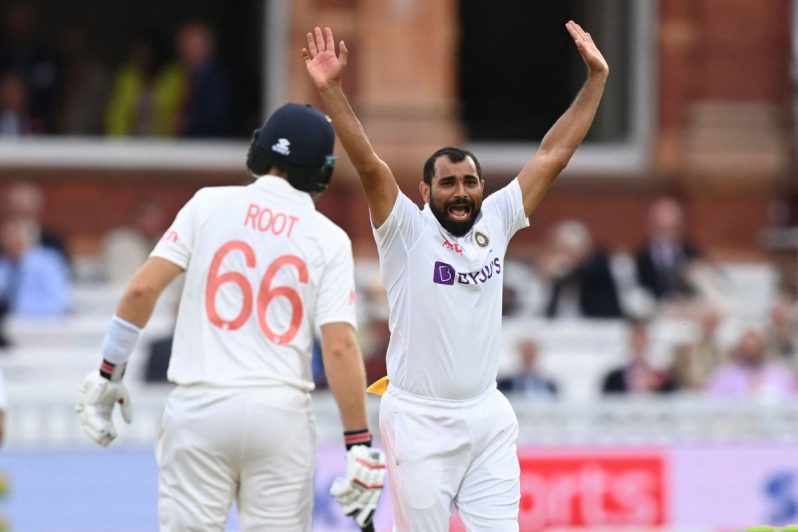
{"x": 567, "y": 133}
{"x": 325, "y": 68}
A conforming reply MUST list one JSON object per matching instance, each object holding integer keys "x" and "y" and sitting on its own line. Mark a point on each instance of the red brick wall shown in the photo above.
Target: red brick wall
{"x": 709, "y": 50}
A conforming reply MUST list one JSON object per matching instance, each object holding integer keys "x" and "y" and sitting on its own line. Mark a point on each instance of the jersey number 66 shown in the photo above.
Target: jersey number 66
{"x": 265, "y": 292}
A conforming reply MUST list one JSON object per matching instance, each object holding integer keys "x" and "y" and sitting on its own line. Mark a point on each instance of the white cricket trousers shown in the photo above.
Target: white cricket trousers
{"x": 443, "y": 453}
{"x": 255, "y": 445}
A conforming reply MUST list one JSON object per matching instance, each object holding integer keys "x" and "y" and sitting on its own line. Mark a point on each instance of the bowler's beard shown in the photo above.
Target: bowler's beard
{"x": 454, "y": 227}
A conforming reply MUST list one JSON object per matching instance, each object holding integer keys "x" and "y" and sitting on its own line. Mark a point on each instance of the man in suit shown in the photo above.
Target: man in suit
{"x": 663, "y": 259}
{"x": 637, "y": 376}
{"x": 528, "y": 382}
{"x": 581, "y": 282}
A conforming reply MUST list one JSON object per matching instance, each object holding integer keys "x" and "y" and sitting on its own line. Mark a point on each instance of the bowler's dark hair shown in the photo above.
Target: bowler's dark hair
{"x": 455, "y": 155}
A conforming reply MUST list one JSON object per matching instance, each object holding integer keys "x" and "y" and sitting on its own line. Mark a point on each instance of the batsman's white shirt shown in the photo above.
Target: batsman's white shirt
{"x": 264, "y": 269}
{"x": 445, "y": 295}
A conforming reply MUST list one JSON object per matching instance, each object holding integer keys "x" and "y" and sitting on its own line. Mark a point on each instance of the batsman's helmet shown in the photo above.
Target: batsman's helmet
{"x": 298, "y": 139}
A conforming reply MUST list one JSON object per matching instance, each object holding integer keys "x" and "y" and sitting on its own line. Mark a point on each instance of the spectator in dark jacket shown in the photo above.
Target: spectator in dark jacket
{"x": 579, "y": 275}
{"x": 528, "y": 382}
{"x": 21, "y": 53}
{"x": 207, "y": 107}
{"x": 663, "y": 260}
{"x": 637, "y": 376}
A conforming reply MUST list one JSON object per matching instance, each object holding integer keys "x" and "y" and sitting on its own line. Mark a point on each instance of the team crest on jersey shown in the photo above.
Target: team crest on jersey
{"x": 283, "y": 147}
{"x": 481, "y": 239}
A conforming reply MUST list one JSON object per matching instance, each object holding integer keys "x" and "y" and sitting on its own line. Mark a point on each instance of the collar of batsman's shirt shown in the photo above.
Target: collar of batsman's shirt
{"x": 280, "y": 186}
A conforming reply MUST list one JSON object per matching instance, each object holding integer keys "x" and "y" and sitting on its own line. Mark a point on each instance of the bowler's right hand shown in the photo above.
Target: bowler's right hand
{"x": 324, "y": 66}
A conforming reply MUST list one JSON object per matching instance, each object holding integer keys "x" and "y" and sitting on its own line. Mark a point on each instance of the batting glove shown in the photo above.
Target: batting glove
{"x": 96, "y": 405}
{"x": 359, "y": 492}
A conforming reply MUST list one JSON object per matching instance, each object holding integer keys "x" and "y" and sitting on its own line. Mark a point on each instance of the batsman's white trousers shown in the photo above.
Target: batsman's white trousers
{"x": 256, "y": 446}
{"x": 443, "y": 453}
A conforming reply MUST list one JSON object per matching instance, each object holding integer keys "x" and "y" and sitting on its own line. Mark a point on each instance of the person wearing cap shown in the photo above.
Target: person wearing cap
{"x": 264, "y": 272}
{"x": 449, "y": 435}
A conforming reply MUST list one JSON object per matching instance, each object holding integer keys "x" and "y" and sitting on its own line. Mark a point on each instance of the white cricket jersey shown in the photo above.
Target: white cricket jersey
{"x": 264, "y": 270}
{"x": 445, "y": 295}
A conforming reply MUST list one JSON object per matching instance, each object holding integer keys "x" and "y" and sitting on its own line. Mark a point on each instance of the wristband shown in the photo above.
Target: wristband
{"x": 357, "y": 437}
{"x": 112, "y": 372}
{"x": 119, "y": 341}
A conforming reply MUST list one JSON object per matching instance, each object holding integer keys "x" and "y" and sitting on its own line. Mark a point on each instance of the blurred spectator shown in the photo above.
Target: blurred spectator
{"x": 693, "y": 363}
{"x": 581, "y": 283}
{"x": 34, "y": 280}
{"x": 317, "y": 366}
{"x": 20, "y": 53}
{"x": 124, "y": 249}
{"x": 751, "y": 374}
{"x": 15, "y": 121}
{"x": 4, "y": 340}
{"x": 528, "y": 382}
{"x": 783, "y": 333}
{"x": 85, "y": 85}
{"x": 511, "y": 305}
{"x": 3, "y": 407}
{"x": 522, "y": 290}
{"x": 207, "y": 107}
{"x": 147, "y": 92}
{"x": 663, "y": 260}
{"x": 159, "y": 352}
{"x": 637, "y": 376}
{"x": 375, "y": 349}
{"x": 25, "y": 200}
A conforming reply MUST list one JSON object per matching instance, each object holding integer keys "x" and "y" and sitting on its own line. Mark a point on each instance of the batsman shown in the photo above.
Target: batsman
{"x": 239, "y": 424}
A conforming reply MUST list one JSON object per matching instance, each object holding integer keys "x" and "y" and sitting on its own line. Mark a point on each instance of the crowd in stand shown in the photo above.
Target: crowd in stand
{"x": 159, "y": 89}
{"x": 571, "y": 278}
{"x": 667, "y": 278}
{"x": 34, "y": 265}
{"x": 178, "y": 87}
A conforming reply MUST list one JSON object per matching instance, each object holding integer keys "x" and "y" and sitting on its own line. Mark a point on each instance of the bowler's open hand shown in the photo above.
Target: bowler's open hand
{"x": 324, "y": 66}
{"x": 596, "y": 64}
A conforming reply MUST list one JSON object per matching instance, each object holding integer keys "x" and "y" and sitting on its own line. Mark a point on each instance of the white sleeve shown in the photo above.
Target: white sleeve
{"x": 507, "y": 205}
{"x": 177, "y": 242}
{"x": 336, "y": 298}
{"x": 402, "y": 227}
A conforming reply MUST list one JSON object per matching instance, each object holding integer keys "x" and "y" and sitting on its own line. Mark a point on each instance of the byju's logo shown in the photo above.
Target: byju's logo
{"x": 444, "y": 273}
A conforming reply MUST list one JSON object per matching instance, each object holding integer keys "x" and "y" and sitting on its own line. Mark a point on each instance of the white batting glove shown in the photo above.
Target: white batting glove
{"x": 359, "y": 492}
{"x": 96, "y": 405}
